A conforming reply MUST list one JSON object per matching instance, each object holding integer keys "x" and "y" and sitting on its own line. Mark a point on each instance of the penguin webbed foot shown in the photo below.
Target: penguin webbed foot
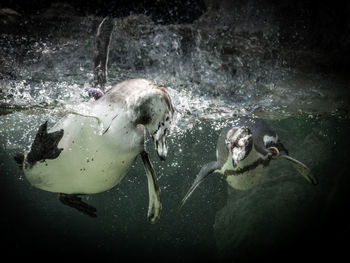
{"x": 45, "y": 145}
{"x": 75, "y": 201}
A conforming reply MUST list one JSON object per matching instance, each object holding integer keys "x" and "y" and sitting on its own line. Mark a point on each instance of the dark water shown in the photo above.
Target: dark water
{"x": 283, "y": 214}
{"x": 214, "y": 73}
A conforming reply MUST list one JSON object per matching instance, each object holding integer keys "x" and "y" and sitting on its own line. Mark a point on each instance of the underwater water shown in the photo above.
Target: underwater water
{"x": 214, "y": 74}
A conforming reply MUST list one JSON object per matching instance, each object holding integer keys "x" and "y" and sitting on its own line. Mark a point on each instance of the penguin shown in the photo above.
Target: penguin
{"x": 92, "y": 150}
{"x": 243, "y": 152}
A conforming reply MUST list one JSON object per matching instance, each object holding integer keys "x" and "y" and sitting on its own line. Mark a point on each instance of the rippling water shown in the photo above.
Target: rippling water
{"x": 214, "y": 75}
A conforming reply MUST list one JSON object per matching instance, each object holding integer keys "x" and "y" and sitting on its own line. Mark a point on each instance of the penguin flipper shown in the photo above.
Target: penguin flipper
{"x": 154, "y": 205}
{"x": 206, "y": 170}
{"x": 101, "y": 52}
{"x": 45, "y": 145}
{"x": 75, "y": 201}
{"x": 302, "y": 169}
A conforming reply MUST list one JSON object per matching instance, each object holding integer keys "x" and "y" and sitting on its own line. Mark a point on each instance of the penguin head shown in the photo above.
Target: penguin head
{"x": 239, "y": 142}
{"x": 156, "y": 114}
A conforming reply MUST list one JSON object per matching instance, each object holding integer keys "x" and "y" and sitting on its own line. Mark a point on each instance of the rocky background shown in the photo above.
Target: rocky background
{"x": 322, "y": 26}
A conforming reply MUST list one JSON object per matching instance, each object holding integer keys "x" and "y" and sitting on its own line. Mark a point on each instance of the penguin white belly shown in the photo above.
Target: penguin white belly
{"x": 245, "y": 180}
{"x": 92, "y": 159}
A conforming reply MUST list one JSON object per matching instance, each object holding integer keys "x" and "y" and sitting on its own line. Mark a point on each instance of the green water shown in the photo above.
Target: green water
{"x": 217, "y": 223}
{"x": 215, "y": 69}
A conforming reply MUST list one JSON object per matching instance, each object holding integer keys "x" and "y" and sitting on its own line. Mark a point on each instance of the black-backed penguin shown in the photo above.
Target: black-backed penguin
{"x": 243, "y": 152}
{"x": 91, "y": 152}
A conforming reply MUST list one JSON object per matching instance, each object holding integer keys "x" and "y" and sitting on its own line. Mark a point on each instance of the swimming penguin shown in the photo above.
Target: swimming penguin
{"x": 91, "y": 151}
{"x": 243, "y": 152}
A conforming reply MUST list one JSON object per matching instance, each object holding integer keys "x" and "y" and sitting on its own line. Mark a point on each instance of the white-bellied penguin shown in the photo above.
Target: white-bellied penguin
{"x": 244, "y": 150}
{"x": 91, "y": 152}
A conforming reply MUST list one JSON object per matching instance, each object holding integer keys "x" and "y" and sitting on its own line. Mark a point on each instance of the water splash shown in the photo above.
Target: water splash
{"x": 213, "y": 73}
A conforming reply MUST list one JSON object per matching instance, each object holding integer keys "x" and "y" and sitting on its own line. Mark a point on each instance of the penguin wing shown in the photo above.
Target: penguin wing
{"x": 206, "y": 170}
{"x": 45, "y": 145}
{"x": 302, "y": 169}
{"x": 154, "y": 205}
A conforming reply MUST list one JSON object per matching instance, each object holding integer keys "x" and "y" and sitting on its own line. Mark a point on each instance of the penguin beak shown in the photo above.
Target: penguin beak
{"x": 161, "y": 147}
{"x": 159, "y": 139}
{"x": 234, "y": 163}
{"x": 238, "y": 154}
